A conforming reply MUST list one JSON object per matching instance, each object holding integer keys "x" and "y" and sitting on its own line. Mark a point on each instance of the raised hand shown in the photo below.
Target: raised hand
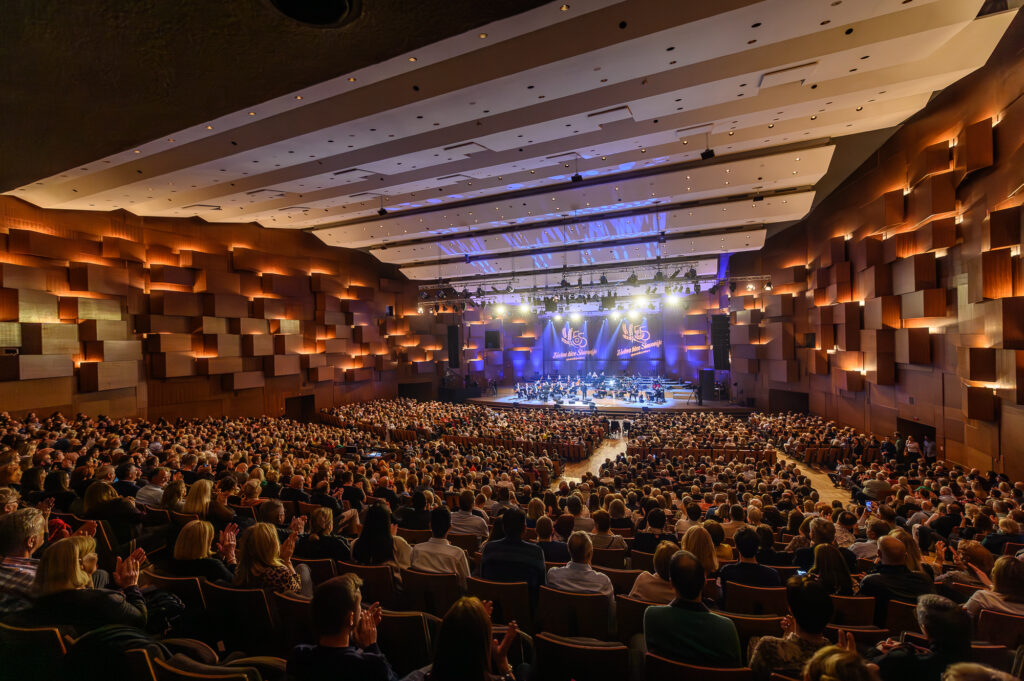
{"x": 288, "y": 547}
{"x": 139, "y": 556}
{"x": 499, "y": 651}
{"x": 489, "y": 607}
{"x": 788, "y": 624}
{"x": 298, "y": 524}
{"x": 366, "y": 629}
{"x": 86, "y": 529}
{"x": 227, "y": 541}
{"x": 126, "y": 572}
{"x": 46, "y": 505}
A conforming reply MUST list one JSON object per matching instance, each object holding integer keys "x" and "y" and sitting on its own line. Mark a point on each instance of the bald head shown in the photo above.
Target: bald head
{"x": 687, "y": 575}
{"x": 891, "y": 551}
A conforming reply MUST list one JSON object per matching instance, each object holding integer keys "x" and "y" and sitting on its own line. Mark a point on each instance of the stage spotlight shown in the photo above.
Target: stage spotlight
{"x": 419, "y": 309}
{"x": 675, "y": 274}
{"x": 524, "y": 308}
{"x": 659, "y": 276}
{"x": 564, "y": 283}
{"x": 672, "y": 299}
{"x": 632, "y": 279}
{"x": 691, "y": 273}
{"x": 382, "y": 212}
{"x": 732, "y": 287}
{"x": 558, "y": 317}
{"x": 509, "y": 289}
{"x": 640, "y": 301}
{"x": 576, "y": 178}
{"x": 696, "y": 287}
{"x": 750, "y": 286}
{"x": 616, "y": 314}
{"x": 707, "y": 154}
{"x": 479, "y": 290}
{"x": 604, "y": 279}
{"x": 634, "y": 314}
{"x": 767, "y": 286}
{"x": 441, "y": 294}
{"x": 575, "y": 316}
{"x": 499, "y": 310}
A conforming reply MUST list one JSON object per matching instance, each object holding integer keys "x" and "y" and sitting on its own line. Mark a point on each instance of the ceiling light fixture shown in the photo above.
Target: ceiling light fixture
{"x": 482, "y": 36}
{"x": 564, "y": 8}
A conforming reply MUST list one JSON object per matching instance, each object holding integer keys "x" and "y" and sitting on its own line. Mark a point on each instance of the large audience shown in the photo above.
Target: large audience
{"x": 692, "y": 522}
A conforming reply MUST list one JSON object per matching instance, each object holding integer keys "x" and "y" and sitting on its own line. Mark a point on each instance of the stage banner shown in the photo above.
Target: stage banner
{"x": 599, "y": 340}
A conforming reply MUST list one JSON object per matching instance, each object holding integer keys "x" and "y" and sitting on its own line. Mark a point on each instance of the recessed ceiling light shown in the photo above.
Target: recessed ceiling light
{"x": 298, "y": 96}
{"x": 564, "y": 8}
{"x": 771, "y": 125}
{"x": 209, "y": 127}
{"x": 170, "y": 139}
{"x": 686, "y": 142}
{"x": 860, "y": 108}
{"x": 412, "y": 58}
{"x": 252, "y": 113}
{"x": 731, "y": 133}
{"x": 814, "y": 117}
{"x": 351, "y": 79}
{"x": 136, "y": 152}
{"x": 482, "y": 36}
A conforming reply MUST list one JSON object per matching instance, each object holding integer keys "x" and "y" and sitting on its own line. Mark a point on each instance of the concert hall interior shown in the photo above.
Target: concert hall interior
{"x": 458, "y": 340}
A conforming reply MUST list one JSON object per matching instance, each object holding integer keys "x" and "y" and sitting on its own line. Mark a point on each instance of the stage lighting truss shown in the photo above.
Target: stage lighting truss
{"x": 751, "y": 285}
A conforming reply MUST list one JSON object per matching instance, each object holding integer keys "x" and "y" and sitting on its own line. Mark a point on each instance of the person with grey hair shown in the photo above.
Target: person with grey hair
{"x": 22, "y": 534}
{"x": 948, "y": 630}
{"x": 893, "y": 579}
{"x": 577, "y": 575}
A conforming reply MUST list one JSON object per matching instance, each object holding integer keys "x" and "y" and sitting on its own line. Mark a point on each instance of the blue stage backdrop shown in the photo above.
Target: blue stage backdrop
{"x": 598, "y": 343}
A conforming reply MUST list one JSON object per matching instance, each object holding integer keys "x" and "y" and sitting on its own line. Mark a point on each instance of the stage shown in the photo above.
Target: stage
{"x": 506, "y": 397}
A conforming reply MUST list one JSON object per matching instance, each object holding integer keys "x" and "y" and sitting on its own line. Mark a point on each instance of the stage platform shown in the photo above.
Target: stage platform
{"x": 608, "y": 405}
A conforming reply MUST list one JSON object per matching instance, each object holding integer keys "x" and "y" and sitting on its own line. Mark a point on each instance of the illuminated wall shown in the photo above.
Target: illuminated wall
{"x": 117, "y": 314}
{"x": 901, "y": 296}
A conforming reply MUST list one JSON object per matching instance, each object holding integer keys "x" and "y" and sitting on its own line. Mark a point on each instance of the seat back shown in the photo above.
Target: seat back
{"x": 254, "y": 632}
{"x": 658, "y": 668}
{"x": 470, "y": 543}
{"x": 378, "y": 582}
{"x": 612, "y": 558}
{"x": 188, "y": 589}
{"x": 407, "y": 639}
{"x": 306, "y": 509}
{"x": 756, "y": 600}
{"x": 320, "y": 569}
{"x": 246, "y": 512}
{"x": 1011, "y": 548}
{"x": 629, "y": 617}
{"x": 857, "y": 611}
{"x": 430, "y": 592}
{"x": 165, "y": 672}
{"x": 785, "y": 571}
{"x": 641, "y": 561}
{"x": 511, "y": 600}
{"x": 559, "y": 659}
{"x": 572, "y": 614}
{"x": 1000, "y": 628}
{"x": 295, "y": 613}
{"x": 901, "y": 616}
{"x": 748, "y": 626}
{"x": 414, "y": 536}
{"x": 31, "y": 653}
{"x": 865, "y": 636}
{"x": 182, "y": 519}
{"x": 622, "y": 580}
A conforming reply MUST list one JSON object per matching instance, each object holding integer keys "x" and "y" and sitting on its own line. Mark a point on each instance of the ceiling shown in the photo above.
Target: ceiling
{"x": 471, "y": 143}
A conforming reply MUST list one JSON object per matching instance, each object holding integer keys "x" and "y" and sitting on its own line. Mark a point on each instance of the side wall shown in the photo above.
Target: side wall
{"x": 901, "y": 296}
{"x": 111, "y": 313}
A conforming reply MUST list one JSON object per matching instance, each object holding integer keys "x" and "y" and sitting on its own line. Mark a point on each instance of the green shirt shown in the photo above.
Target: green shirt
{"x": 689, "y": 633}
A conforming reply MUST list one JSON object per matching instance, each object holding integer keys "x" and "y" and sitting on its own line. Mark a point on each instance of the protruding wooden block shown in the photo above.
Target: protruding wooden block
{"x": 990, "y": 276}
{"x": 90, "y": 308}
{"x": 175, "y": 304}
{"x": 21, "y": 305}
{"x": 285, "y": 326}
{"x": 313, "y": 360}
{"x": 281, "y": 365}
{"x": 1004, "y": 323}
{"x": 214, "y": 281}
{"x": 320, "y": 374}
{"x": 10, "y": 335}
{"x": 225, "y": 305}
{"x": 325, "y": 283}
{"x": 866, "y": 253}
{"x": 975, "y": 147}
{"x": 880, "y": 368}
{"x": 797, "y": 274}
{"x": 878, "y": 341}
{"x": 899, "y": 246}
{"x": 1003, "y": 228}
{"x": 699, "y": 322}
{"x": 28, "y": 367}
{"x": 779, "y": 340}
{"x": 268, "y": 308}
{"x": 817, "y": 363}
{"x": 914, "y": 273}
{"x": 913, "y": 346}
{"x": 113, "y": 351}
{"x": 245, "y": 325}
{"x": 744, "y": 333}
{"x": 976, "y": 364}
{"x": 285, "y": 285}
{"x": 936, "y": 234}
{"x": 49, "y": 339}
{"x": 934, "y": 195}
{"x": 85, "y": 276}
{"x": 923, "y": 304}
{"x": 218, "y": 344}
{"x": 848, "y": 336}
{"x": 244, "y": 380}
{"x": 102, "y": 330}
{"x": 873, "y": 282}
{"x": 212, "y": 366}
{"x": 933, "y": 159}
{"x": 257, "y": 345}
{"x": 847, "y": 313}
{"x": 841, "y": 292}
{"x": 209, "y": 325}
{"x": 332, "y": 345}
{"x": 168, "y": 274}
{"x": 360, "y": 375}
{"x": 886, "y": 211}
{"x": 882, "y": 313}
{"x": 172, "y": 364}
{"x": 116, "y": 248}
{"x": 365, "y": 334}
{"x": 169, "y": 342}
{"x": 834, "y": 251}
{"x": 96, "y": 376}
{"x": 287, "y": 344}
{"x": 980, "y": 403}
{"x": 850, "y": 381}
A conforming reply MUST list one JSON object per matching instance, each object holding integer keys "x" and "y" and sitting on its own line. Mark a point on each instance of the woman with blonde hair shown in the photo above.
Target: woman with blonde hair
{"x": 102, "y": 502}
{"x": 194, "y": 555}
{"x": 656, "y": 586}
{"x": 835, "y": 663}
{"x": 321, "y": 542}
{"x": 1005, "y": 592}
{"x": 198, "y": 500}
{"x": 65, "y": 595}
{"x": 251, "y": 493}
{"x": 697, "y": 541}
{"x": 915, "y": 560}
{"x": 264, "y": 563}
{"x": 534, "y": 510}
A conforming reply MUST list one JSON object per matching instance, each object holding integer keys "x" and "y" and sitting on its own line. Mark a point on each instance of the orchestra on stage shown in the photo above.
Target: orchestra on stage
{"x": 628, "y": 388}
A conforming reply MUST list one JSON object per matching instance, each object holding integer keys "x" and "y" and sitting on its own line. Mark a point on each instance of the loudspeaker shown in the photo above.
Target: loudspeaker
{"x": 454, "y": 355}
{"x": 707, "y": 384}
{"x": 492, "y": 340}
{"x": 720, "y": 341}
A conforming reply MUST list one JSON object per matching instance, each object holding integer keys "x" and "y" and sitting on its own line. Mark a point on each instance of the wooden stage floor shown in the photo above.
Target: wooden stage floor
{"x": 608, "y": 405}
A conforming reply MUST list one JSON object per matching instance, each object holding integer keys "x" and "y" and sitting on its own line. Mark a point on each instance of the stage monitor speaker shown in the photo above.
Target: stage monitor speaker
{"x": 707, "y": 384}
{"x": 720, "y": 341}
{"x": 454, "y": 355}
{"x": 492, "y": 340}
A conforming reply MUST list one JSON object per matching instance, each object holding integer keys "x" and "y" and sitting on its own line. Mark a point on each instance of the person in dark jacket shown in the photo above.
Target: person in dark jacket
{"x": 415, "y": 517}
{"x": 194, "y": 557}
{"x": 554, "y": 551}
{"x": 947, "y": 627}
{"x": 66, "y": 598}
{"x": 511, "y": 559}
{"x": 747, "y": 571}
{"x": 346, "y": 637}
{"x": 893, "y": 579}
{"x": 102, "y": 502}
{"x": 321, "y": 542}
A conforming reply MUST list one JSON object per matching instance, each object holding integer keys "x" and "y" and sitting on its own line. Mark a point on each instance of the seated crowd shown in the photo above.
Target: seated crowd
{"x": 98, "y": 516}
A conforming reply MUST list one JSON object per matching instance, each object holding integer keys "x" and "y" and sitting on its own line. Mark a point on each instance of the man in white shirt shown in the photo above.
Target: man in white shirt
{"x": 436, "y": 554}
{"x": 869, "y": 549}
{"x": 577, "y": 576}
{"x": 153, "y": 493}
{"x": 464, "y": 521}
